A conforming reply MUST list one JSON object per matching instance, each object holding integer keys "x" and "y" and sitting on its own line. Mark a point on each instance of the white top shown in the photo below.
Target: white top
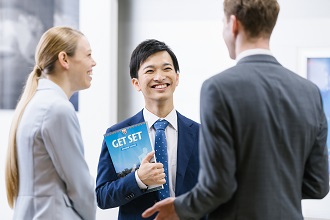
{"x": 171, "y": 133}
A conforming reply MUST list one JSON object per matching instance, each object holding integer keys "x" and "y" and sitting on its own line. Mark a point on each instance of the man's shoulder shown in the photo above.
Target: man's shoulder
{"x": 187, "y": 121}
{"x": 137, "y": 118}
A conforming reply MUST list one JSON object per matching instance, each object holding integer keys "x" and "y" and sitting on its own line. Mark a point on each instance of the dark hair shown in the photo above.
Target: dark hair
{"x": 258, "y": 17}
{"x": 145, "y": 50}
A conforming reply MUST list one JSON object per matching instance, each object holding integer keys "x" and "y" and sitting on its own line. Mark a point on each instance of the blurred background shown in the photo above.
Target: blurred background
{"x": 192, "y": 28}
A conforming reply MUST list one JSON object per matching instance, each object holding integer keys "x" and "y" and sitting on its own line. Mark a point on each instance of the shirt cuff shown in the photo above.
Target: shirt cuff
{"x": 139, "y": 182}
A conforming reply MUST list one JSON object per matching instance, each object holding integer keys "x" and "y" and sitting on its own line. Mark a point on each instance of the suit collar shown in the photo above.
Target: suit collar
{"x": 257, "y": 51}
{"x": 138, "y": 118}
{"x": 152, "y": 118}
{"x": 46, "y": 84}
{"x": 258, "y": 58}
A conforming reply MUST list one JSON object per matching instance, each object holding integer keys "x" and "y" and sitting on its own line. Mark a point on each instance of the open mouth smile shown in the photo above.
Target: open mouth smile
{"x": 160, "y": 86}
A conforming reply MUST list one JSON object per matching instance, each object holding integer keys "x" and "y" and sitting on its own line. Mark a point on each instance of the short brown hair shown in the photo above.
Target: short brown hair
{"x": 258, "y": 17}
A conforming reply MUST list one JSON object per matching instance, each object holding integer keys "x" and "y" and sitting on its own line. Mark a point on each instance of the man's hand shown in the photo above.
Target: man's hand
{"x": 165, "y": 209}
{"x": 151, "y": 173}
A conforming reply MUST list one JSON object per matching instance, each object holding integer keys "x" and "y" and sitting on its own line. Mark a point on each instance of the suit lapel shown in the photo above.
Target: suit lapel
{"x": 185, "y": 139}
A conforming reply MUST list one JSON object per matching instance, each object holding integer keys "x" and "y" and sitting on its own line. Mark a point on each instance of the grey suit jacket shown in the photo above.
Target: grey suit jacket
{"x": 262, "y": 145}
{"x": 54, "y": 179}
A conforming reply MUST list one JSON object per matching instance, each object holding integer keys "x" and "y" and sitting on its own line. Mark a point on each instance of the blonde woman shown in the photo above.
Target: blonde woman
{"x": 46, "y": 174}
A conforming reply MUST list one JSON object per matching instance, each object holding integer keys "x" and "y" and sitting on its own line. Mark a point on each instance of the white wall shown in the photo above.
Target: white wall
{"x": 193, "y": 29}
{"x": 98, "y": 21}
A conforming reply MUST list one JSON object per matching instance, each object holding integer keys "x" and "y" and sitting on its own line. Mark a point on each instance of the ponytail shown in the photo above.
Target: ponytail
{"x": 12, "y": 172}
{"x": 51, "y": 43}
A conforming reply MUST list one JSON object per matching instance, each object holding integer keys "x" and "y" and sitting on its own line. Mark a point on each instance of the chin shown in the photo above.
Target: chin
{"x": 85, "y": 87}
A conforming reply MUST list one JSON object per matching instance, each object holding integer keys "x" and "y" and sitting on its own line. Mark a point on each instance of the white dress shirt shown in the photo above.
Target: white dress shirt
{"x": 171, "y": 133}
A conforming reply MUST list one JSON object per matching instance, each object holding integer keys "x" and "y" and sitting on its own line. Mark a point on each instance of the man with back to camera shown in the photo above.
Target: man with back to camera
{"x": 263, "y": 131}
{"x": 154, "y": 70}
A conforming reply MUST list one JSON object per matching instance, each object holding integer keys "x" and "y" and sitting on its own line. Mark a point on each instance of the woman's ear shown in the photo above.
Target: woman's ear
{"x": 63, "y": 60}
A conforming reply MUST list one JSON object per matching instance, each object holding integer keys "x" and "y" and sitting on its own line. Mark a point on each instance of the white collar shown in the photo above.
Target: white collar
{"x": 151, "y": 118}
{"x": 250, "y": 52}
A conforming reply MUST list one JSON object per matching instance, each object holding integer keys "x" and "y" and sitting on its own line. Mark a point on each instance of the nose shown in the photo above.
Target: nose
{"x": 93, "y": 62}
{"x": 159, "y": 76}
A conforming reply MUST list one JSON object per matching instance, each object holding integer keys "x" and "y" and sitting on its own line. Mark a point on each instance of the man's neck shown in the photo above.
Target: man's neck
{"x": 243, "y": 43}
{"x": 161, "y": 110}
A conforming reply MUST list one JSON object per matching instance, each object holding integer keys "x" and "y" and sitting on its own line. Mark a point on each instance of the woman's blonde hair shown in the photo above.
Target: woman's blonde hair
{"x": 52, "y": 42}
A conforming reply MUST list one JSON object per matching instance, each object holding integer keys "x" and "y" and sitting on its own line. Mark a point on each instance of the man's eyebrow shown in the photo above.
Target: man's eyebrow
{"x": 152, "y": 66}
{"x": 167, "y": 64}
{"x": 149, "y": 66}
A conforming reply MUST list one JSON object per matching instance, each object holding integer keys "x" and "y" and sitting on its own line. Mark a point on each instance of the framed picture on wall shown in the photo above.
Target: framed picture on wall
{"x": 22, "y": 22}
{"x": 314, "y": 64}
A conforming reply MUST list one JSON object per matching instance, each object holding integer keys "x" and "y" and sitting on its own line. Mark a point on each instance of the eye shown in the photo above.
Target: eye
{"x": 149, "y": 71}
{"x": 168, "y": 69}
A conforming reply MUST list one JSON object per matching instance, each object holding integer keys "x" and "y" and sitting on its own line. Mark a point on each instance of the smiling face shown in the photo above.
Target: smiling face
{"x": 157, "y": 80}
{"x": 81, "y": 65}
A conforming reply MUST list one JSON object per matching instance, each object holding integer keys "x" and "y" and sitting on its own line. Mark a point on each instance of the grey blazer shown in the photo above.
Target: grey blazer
{"x": 262, "y": 145}
{"x": 54, "y": 179}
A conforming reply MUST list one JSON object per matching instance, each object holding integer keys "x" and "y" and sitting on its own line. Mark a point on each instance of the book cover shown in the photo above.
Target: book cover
{"x": 127, "y": 148}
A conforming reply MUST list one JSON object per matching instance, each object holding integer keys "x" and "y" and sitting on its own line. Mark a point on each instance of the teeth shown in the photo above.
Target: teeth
{"x": 161, "y": 86}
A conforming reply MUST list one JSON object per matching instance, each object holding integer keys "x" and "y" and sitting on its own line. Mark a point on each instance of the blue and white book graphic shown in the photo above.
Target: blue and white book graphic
{"x": 127, "y": 148}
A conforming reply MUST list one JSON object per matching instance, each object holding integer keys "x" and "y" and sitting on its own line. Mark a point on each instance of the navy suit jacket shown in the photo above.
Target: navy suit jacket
{"x": 124, "y": 192}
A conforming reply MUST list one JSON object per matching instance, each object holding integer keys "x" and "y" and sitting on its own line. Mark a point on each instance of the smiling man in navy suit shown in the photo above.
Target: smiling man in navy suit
{"x": 154, "y": 71}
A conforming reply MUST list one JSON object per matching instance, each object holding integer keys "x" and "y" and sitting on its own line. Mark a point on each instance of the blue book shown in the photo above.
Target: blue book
{"x": 127, "y": 148}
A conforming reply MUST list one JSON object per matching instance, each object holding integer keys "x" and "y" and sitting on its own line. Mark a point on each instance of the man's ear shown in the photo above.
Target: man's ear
{"x": 136, "y": 84}
{"x": 234, "y": 25}
{"x": 177, "y": 79}
{"x": 63, "y": 59}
